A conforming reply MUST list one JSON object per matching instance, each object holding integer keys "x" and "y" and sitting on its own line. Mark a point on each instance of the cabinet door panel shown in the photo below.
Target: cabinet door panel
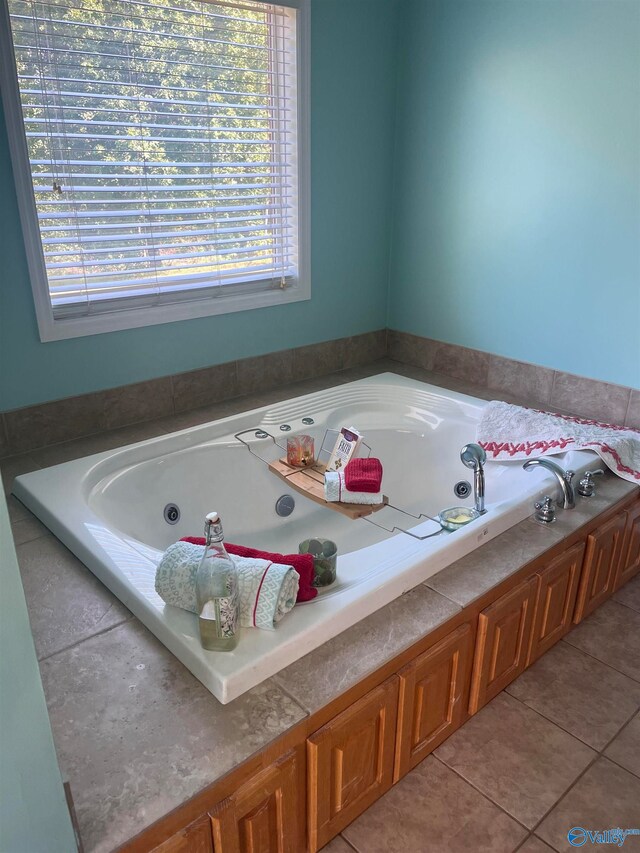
{"x": 195, "y": 838}
{"x": 350, "y": 762}
{"x": 502, "y": 646}
{"x": 629, "y": 563}
{"x": 599, "y": 567}
{"x": 432, "y": 702}
{"x": 266, "y": 814}
{"x": 556, "y": 600}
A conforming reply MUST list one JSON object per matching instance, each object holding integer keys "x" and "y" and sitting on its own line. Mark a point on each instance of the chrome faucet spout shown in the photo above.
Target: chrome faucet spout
{"x": 474, "y": 457}
{"x": 563, "y": 477}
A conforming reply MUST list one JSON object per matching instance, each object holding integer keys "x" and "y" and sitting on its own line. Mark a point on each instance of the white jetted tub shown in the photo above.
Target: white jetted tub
{"x": 109, "y": 510}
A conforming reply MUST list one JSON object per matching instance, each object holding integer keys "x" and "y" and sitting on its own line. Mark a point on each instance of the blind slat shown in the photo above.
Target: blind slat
{"x": 162, "y": 142}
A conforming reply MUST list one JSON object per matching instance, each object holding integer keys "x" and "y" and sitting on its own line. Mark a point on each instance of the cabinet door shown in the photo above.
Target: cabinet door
{"x": 502, "y": 645}
{"x": 266, "y": 814}
{"x": 556, "y": 600}
{"x": 350, "y": 762}
{"x": 629, "y": 563}
{"x": 432, "y": 700}
{"x": 599, "y": 568}
{"x": 195, "y": 838}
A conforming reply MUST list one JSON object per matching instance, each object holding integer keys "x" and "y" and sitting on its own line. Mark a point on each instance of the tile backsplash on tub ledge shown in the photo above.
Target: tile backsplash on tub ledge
{"x": 51, "y": 423}
{"x": 554, "y": 389}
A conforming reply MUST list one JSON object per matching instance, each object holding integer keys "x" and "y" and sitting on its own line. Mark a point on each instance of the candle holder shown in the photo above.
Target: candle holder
{"x": 300, "y": 451}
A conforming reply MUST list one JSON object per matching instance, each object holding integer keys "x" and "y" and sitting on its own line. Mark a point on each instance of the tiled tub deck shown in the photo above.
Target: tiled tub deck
{"x": 134, "y": 729}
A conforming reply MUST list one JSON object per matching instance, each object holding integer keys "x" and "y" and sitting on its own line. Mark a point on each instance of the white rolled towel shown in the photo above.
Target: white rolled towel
{"x": 336, "y": 491}
{"x": 267, "y": 590}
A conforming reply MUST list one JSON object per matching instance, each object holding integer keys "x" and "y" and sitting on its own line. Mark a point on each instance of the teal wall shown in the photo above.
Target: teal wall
{"x": 33, "y": 811}
{"x": 513, "y": 220}
{"x": 353, "y": 53}
{"x": 517, "y": 198}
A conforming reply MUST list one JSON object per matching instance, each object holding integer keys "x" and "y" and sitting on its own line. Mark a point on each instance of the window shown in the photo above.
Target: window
{"x": 160, "y": 157}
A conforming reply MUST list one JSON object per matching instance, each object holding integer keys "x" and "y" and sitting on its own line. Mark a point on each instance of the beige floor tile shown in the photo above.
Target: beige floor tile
{"x": 582, "y": 695}
{"x": 534, "y": 845}
{"x": 521, "y": 761}
{"x": 338, "y": 845}
{"x": 625, "y": 749}
{"x": 611, "y": 634}
{"x": 17, "y": 510}
{"x": 66, "y": 603}
{"x": 13, "y": 466}
{"x": 630, "y": 593}
{"x": 27, "y": 529}
{"x": 606, "y": 797}
{"x": 433, "y": 810}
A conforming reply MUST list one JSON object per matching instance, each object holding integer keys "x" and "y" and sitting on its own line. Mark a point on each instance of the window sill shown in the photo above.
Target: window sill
{"x": 133, "y": 318}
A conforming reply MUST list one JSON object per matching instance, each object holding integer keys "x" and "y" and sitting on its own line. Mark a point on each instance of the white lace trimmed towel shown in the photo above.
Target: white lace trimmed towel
{"x": 267, "y": 590}
{"x": 513, "y": 432}
{"x": 335, "y": 490}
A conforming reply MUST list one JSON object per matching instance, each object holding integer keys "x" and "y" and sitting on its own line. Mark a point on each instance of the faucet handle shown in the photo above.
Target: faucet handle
{"x": 569, "y": 475}
{"x": 586, "y": 486}
{"x": 545, "y": 511}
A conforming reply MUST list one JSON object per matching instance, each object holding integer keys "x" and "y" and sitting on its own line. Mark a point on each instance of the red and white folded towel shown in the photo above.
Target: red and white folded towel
{"x": 363, "y": 475}
{"x": 302, "y": 563}
{"x": 514, "y": 432}
{"x": 266, "y": 590}
{"x": 335, "y": 490}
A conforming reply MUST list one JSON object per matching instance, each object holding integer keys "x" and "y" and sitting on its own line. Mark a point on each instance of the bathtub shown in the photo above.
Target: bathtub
{"x": 109, "y": 509}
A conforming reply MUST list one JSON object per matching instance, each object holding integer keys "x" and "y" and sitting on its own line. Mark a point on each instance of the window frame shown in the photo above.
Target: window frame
{"x": 129, "y": 317}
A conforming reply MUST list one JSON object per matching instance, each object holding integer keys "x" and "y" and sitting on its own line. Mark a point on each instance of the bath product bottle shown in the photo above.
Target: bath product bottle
{"x": 217, "y": 591}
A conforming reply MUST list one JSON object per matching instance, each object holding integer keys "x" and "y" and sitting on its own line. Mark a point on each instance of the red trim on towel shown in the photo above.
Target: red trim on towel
{"x": 302, "y": 563}
{"x": 496, "y": 448}
{"x": 255, "y": 606}
{"x": 528, "y": 447}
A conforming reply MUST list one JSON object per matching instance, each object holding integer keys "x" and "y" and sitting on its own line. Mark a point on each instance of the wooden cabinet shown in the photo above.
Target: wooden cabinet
{"x": 629, "y": 562}
{"x": 433, "y": 698}
{"x": 329, "y": 776}
{"x": 350, "y": 762}
{"x": 266, "y": 814}
{"x": 195, "y": 838}
{"x": 558, "y": 587}
{"x": 599, "y": 567}
{"x": 502, "y": 644}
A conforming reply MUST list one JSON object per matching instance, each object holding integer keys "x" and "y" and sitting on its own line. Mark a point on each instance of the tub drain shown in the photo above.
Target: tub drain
{"x": 171, "y": 514}
{"x": 462, "y": 489}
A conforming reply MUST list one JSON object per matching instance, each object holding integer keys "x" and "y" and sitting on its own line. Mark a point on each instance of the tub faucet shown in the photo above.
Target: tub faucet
{"x": 474, "y": 457}
{"x": 563, "y": 477}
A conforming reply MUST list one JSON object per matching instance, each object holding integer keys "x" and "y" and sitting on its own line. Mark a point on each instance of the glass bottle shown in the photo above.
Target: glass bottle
{"x": 217, "y": 591}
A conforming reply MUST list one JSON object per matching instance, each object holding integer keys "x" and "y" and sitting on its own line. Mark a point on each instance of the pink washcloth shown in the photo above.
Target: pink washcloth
{"x": 363, "y": 475}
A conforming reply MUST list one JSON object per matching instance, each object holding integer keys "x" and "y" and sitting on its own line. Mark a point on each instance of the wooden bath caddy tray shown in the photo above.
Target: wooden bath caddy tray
{"x": 310, "y": 482}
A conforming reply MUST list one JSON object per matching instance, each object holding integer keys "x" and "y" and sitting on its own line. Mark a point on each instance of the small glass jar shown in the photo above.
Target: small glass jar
{"x": 325, "y": 557}
{"x": 300, "y": 450}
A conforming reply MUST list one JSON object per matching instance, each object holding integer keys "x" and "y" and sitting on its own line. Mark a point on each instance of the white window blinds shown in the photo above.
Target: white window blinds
{"x": 162, "y": 141}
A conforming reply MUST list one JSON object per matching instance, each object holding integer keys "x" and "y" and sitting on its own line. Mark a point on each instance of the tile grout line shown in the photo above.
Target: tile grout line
{"x": 523, "y": 842}
{"x": 608, "y": 757}
{"x": 599, "y": 754}
{"x": 297, "y": 702}
{"x": 347, "y": 842}
{"x": 478, "y": 790}
{"x": 560, "y": 726}
{"x": 84, "y": 639}
{"x": 629, "y": 606}
{"x": 615, "y": 668}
